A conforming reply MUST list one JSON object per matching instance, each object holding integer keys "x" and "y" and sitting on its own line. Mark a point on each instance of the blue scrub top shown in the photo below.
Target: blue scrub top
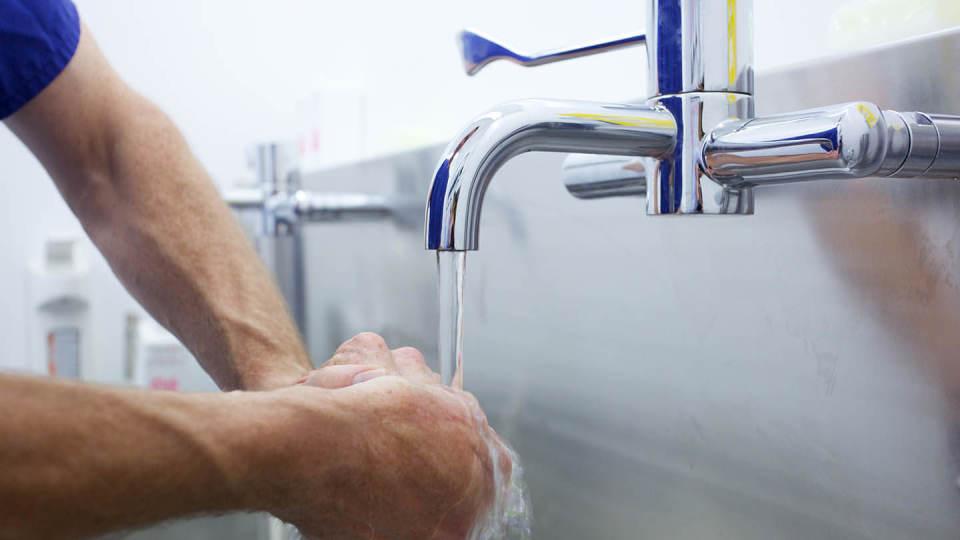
{"x": 37, "y": 40}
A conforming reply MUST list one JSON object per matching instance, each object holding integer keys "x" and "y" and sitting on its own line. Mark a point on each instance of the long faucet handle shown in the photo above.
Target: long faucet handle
{"x": 478, "y": 51}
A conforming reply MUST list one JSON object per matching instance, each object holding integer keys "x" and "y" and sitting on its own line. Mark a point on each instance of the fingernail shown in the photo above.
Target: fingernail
{"x": 365, "y": 376}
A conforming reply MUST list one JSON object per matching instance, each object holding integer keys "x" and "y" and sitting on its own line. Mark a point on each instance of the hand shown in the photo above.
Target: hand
{"x": 361, "y": 358}
{"x": 366, "y": 356}
{"x": 405, "y": 457}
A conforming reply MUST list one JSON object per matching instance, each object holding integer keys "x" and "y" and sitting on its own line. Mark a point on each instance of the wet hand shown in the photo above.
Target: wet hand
{"x": 365, "y": 357}
{"x": 415, "y": 459}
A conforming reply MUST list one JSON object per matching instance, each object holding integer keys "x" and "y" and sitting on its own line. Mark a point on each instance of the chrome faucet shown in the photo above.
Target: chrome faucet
{"x": 284, "y": 208}
{"x": 702, "y": 149}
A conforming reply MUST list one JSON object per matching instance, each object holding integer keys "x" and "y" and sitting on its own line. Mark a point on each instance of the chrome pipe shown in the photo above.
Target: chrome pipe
{"x": 700, "y": 46}
{"x": 934, "y": 146}
{"x": 588, "y": 176}
{"x": 304, "y": 206}
{"x": 288, "y": 211}
{"x": 244, "y": 199}
{"x": 846, "y": 141}
{"x": 325, "y": 207}
{"x": 470, "y": 162}
{"x": 854, "y": 140}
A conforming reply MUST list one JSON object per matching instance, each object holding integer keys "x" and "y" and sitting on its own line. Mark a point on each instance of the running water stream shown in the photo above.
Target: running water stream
{"x": 509, "y": 518}
{"x": 451, "y": 266}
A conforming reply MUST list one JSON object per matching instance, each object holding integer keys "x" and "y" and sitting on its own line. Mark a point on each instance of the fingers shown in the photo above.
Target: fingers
{"x": 472, "y": 406}
{"x": 342, "y": 376}
{"x": 367, "y": 349}
{"x": 409, "y": 360}
{"x": 411, "y": 364}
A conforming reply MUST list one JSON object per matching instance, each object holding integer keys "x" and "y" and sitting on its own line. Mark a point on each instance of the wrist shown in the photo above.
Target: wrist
{"x": 278, "y": 372}
{"x": 254, "y": 355}
{"x": 224, "y": 437}
{"x": 273, "y": 445}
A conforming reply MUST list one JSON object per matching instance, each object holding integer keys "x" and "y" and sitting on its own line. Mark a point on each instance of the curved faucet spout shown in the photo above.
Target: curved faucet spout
{"x": 474, "y": 157}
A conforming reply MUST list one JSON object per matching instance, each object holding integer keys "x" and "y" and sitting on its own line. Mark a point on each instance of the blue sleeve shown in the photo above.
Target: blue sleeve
{"x": 37, "y": 40}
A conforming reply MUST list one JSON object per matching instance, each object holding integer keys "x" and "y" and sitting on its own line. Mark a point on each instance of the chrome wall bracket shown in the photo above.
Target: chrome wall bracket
{"x": 284, "y": 208}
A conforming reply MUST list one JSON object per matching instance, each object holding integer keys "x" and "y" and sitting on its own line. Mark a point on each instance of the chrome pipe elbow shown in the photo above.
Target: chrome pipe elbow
{"x": 470, "y": 161}
{"x": 853, "y": 140}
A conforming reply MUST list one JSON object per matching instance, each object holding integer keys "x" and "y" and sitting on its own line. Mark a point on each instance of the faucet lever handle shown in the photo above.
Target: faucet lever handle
{"x": 478, "y": 51}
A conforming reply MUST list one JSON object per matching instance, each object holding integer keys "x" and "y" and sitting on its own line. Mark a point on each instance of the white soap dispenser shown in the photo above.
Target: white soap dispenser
{"x": 59, "y": 337}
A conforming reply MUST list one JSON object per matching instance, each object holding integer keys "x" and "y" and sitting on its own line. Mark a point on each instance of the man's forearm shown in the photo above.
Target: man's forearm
{"x": 173, "y": 242}
{"x": 79, "y": 461}
{"x": 129, "y": 176}
{"x": 396, "y": 456}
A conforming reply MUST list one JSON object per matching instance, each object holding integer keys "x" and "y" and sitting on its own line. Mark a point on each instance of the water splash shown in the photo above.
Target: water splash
{"x": 509, "y": 517}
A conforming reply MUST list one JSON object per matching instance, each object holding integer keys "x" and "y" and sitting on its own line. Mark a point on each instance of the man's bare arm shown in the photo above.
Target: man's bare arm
{"x": 80, "y": 461}
{"x": 372, "y": 447}
{"x": 128, "y": 175}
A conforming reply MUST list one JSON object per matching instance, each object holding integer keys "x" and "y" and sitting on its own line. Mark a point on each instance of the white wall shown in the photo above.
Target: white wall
{"x": 230, "y": 72}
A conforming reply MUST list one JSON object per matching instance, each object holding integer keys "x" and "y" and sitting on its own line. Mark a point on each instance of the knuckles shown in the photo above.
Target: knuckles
{"x": 360, "y": 349}
{"x": 364, "y": 340}
{"x": 410, "y": 354}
